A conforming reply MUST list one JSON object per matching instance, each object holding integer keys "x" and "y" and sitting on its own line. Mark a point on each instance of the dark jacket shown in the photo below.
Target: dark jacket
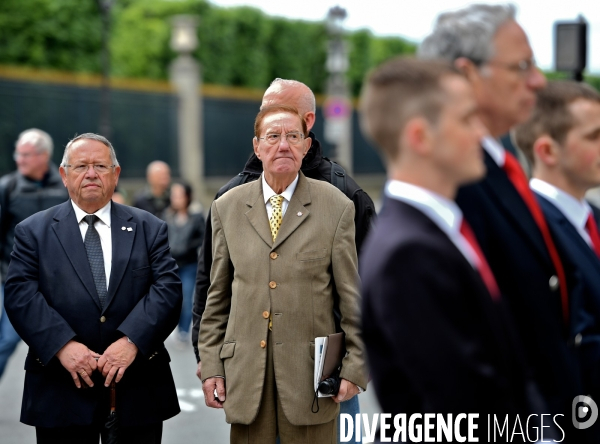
{"x": 185, "y": 240}
{"x": 21, "y": 197}
{"x": 152, "y": 204}
{"x": 314, "y": 166}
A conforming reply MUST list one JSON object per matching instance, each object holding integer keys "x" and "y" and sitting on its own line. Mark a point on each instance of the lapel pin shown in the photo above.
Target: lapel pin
{"x": 129, "y": 229}
{"x": 123, "y": 228}
{"x": 299, "y": 213}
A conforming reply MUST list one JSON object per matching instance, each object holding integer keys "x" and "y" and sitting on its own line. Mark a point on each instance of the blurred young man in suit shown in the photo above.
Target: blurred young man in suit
{"x": 437, "y": 334}
{"x": 488, "y": 45}
{"x": 562, "y": 141}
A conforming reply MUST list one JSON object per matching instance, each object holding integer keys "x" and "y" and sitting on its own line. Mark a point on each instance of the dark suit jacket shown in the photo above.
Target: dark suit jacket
{"x": 436, "y": 340}
{"x": 50, "y": 298}
{"x": 519, "y": 258}
{"x": 583, "y": 270}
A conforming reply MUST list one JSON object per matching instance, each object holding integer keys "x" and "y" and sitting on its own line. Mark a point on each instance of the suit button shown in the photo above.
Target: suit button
{"x": 103, "y": 319}
{"x": 273, "y": 255}
{"x": 553, "y": 283}
{"x": 273, "y": 284}
{"x": 265, "y": 314}
{"x": 263, "y": 344}
{"x": 578, "y": 339}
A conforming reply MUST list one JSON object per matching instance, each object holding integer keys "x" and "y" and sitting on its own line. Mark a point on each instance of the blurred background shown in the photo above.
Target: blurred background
{"x": 107, "y": 66}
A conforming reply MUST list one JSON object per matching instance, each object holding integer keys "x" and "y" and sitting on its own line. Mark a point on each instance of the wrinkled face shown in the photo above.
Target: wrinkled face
{"x": 30, "y": 161}
{"x": 89, "y": 189}
{"x": 579, "y": 157}
{"x": 457, "y": 135}
{"x": 283, "y": 158}
{"x": 505, "y": 90}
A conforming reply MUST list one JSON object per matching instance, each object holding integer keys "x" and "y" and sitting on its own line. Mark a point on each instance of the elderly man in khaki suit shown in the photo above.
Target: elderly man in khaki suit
{"x": 280, "y": 244}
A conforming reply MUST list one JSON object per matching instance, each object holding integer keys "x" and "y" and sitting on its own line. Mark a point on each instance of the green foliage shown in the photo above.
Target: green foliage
{"x": 238, "y": 46}
{"x": 592, "y": 80}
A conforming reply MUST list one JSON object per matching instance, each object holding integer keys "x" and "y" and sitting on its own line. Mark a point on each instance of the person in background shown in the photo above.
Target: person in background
{"x": 35, "y": 186}
{"x": 154, "y": 198}
{"x": 186, "y": 232}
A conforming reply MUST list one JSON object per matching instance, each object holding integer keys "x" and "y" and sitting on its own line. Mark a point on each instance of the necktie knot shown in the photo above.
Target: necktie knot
{"x": 91, "y": 219}
{"x": 276, "y": 214}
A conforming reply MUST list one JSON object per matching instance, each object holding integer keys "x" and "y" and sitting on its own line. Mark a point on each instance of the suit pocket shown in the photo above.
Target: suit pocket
{"x": 227, "y": 350}
{"x": 312, "y": 255}
{"x": 141, "y": 271}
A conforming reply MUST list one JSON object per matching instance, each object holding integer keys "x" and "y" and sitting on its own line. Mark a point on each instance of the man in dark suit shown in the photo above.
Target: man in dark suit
{"x": 94, "y": 292}
{"x": 437, "y": 333}
{"x": 489, "y": 46}
{"x": 562, "y": 141}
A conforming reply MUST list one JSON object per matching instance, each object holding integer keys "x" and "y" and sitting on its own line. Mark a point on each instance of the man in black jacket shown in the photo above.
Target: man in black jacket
{"x": 35, "y": 186}
{"x": 314, "y": 165}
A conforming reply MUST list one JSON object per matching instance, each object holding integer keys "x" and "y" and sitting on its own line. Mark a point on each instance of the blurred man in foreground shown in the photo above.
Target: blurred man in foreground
{"x": 35, "y": 186}
{"x": 491, "y": 49}
{"x": 435, "y": 325}
{"x": 562, "y": 141}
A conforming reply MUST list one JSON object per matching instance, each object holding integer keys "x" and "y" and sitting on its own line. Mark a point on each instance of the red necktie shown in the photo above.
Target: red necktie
{"x": 484, "y": 269}
{"x": 592, "y": 230}
{"x": 517, "y": 177}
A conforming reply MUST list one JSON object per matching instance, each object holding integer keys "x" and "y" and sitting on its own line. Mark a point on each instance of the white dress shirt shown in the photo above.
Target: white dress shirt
{"x": 576, "y": 211}
{"x": 494, "y": 149}
{"x": 103, "y": 228}
{"x": 287, "y": 195}
{"x": 442, "y": 211}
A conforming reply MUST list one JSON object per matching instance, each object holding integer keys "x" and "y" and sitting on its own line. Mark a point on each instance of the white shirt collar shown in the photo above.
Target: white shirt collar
{"x": 103, "y": 213}
{"x": 287, "y": 193}
{"x": 576, "y": 211}
{"x": 444, "y": 212}
{"x": 494, "y": 149}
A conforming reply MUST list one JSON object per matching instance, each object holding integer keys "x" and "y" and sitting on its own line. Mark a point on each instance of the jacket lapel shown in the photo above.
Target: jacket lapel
{"x": 257, "y": 214}
{"x": 296, "y": 212}
{"x": 122, "y": 243}
{"x": 69, "y": 235}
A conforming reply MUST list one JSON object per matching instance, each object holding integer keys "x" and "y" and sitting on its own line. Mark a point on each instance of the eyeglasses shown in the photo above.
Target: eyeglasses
{"x": 522, "y": 67}
{"x": 25, "y": 155}
{"x": 292, "y": 138}
{"x": 100, "y": 169}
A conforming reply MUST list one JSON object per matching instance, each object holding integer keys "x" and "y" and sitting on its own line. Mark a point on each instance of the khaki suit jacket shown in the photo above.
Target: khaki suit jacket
{"x": 292, "y": 279}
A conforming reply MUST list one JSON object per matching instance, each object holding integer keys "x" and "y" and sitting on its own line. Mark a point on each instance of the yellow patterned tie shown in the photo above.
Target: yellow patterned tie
{"x": 276, "y": 215}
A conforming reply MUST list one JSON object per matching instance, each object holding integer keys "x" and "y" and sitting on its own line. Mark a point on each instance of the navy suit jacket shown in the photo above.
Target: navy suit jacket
{"x": 583, "y": 269}
{"x": 436, "y": 340}
{"x": 51, "y": 298}
{"x": 519, "y": 258}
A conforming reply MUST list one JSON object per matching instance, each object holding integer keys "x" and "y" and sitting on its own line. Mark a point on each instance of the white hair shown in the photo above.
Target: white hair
{"x": 89, "y": 136}
{"x": 41, "y": 140}
{"x": 307, "y": 99}
{"x": 468, "y": 32}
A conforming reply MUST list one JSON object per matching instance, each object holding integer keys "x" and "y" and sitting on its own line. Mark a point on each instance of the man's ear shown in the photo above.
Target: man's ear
{"x": 416, "y": 135}
{"x": 63, "y": 175}
{"x": 309, "y": 118}
{"x": 467, "y": 67}
{"x": 255, "y": 146}
{"x": 546, "y": 151}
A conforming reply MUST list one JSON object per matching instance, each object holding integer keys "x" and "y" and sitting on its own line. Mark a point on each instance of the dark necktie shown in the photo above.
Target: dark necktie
{"x": 484, "y": 269}
{"x": 517, "y": 177}
{"x": 93, "y": 247}
{"x": 592, "y": 230}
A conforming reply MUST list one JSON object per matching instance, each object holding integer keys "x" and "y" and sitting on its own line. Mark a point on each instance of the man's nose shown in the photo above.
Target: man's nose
{"x": 536, "y": 79}
{"x": 90, "y": 172}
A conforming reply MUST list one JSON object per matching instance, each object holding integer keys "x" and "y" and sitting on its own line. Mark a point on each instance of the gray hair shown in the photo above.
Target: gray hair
{"x": 89, "y": 136}
{"x": 468, "y": 32}
{"x": 41, "y": 140}
{"x": 307, "y": 100}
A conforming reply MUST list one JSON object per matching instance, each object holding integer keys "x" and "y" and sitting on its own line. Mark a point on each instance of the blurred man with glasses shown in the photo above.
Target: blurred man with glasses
{"x": 35, "y": 186}
{"x": 487, "y": 44}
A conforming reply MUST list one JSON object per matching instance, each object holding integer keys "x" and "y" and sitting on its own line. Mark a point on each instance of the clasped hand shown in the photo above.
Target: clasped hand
{"x": 80, "y": 361}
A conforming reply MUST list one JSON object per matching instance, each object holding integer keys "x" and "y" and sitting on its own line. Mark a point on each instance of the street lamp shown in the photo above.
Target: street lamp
{"x": 337, "y": 108}
{"x": 104, "y": 125}
{"x": 185, "y": 75}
